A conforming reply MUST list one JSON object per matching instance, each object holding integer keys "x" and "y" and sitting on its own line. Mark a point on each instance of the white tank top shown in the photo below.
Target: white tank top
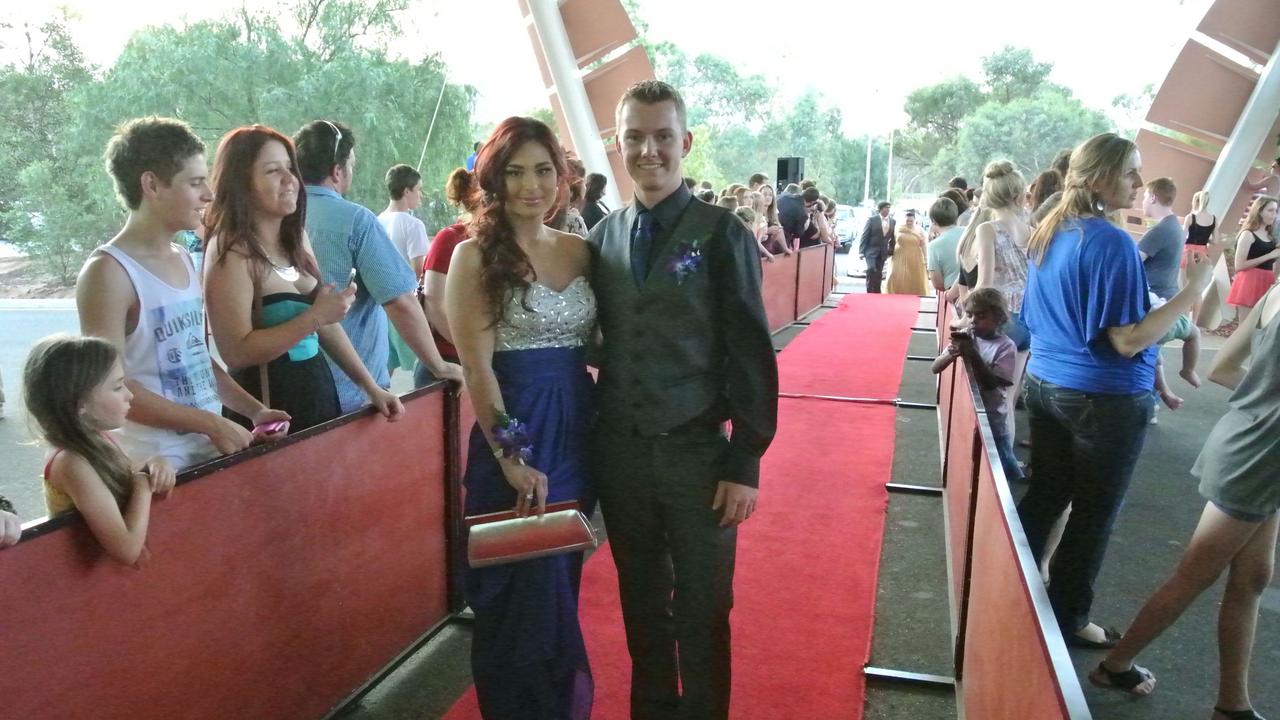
{"x": 166, "y": 354}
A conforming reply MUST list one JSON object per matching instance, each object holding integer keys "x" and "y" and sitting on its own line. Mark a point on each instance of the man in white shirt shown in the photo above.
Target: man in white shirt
{"x": 409, "y": 235}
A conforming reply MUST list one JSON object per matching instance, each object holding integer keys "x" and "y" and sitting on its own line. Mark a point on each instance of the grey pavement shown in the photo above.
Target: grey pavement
{"x": 22, "y": 323}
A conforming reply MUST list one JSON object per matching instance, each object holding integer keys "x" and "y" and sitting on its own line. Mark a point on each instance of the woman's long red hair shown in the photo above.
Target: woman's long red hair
{"x": 230, "y": 216}
{"x": 505, "y": 268}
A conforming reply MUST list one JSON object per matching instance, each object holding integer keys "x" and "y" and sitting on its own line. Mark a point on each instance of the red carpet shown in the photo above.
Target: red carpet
{"x": 809, "y": 558}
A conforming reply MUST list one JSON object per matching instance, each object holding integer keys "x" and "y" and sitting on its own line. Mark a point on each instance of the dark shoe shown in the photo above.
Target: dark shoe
{"x": 1112, "y": 635}
{"x": 1135, "y": 681}
{"x": 1248, "y": 714}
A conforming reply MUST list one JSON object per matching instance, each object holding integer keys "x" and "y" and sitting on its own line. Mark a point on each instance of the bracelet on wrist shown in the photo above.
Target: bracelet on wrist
{"x": 512, "y": 437}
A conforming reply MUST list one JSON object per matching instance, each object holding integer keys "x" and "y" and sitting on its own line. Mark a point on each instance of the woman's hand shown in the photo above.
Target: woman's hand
{"x": 266, "y": 416}
{"x": 1199, "y": 271}
{"x": 387, "y": 403}
{"x": 160, "y": 475}
{"x": 330, "y": 306}
{"x": 529, "y": 483}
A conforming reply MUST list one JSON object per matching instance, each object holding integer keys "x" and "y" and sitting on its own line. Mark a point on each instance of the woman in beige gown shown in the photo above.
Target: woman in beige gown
{"x": 907, "y": 275}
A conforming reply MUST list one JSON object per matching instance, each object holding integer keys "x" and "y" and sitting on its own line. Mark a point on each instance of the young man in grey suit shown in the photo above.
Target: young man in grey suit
{"x": 686, "y": 348}
{"x": 876, "y": 245}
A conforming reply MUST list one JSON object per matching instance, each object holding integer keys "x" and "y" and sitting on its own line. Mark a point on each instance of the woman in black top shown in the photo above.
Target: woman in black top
{"x": 594, "y": 210}
{"x": 1200, "y": 225}
{"x": 1256, "y": 254}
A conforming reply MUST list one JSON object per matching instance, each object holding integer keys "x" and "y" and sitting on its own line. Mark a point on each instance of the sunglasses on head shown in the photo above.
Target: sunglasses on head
{"x": 337, "y": 139}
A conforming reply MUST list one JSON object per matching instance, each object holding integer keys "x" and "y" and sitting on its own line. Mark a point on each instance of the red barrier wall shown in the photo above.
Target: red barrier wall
{"x": 280, "y": 580}
{"x": 1001, "y": 617}
{"x": 811, "y": 285}
{"x": 779, "y": 289}
{"x": 1003, "y": 628}
{"x": 959, "y": 468}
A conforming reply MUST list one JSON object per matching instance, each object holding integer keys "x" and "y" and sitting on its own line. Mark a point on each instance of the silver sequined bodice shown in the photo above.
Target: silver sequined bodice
{"x": 559, "y": 319}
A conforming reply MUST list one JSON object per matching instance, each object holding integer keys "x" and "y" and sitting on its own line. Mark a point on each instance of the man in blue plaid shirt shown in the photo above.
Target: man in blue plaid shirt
{"x": 348, "y": 236}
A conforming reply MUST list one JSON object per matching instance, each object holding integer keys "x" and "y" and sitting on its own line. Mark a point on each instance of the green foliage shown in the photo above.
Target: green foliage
{"x": 218, "y": 75}
{"x": 37, "y": 83}
{"x": 1027, "y": 131}
{"x": 939, "y": 110}
{"x": 740, "y": 127}
{"x": 957, "y": 126}
{"x": 1012, "y": 73}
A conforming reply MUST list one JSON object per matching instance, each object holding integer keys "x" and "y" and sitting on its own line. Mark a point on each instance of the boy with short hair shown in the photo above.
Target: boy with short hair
{"x": 409, "y": 235}
{"x": 140, "y": 292}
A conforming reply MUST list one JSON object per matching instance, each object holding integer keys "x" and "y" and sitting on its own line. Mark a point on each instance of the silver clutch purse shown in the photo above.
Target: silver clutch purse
{"x": 503, "y": 537}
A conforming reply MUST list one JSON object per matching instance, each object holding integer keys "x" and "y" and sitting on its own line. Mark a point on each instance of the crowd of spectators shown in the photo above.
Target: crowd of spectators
{"x": 293, "y": 268}
{"x": 1059, "y": 304}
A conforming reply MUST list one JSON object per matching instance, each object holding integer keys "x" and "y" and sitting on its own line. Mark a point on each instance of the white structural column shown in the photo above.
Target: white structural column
{"x": 1234, "y": 162}
{"x": 572, "y": 92}
{"x": 1251, "y": 131}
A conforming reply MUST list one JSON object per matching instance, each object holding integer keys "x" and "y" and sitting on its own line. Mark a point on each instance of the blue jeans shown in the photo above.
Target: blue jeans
{"x": 1083, "y": 450}
{"x": 1009, "y": 461}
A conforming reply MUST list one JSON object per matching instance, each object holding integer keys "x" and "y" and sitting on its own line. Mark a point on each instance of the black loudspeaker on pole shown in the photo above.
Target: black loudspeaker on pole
{"x": 790, "y": 170}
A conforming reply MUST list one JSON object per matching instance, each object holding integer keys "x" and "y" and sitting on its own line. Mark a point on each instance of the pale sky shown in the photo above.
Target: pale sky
{"x": 863, "y": 60}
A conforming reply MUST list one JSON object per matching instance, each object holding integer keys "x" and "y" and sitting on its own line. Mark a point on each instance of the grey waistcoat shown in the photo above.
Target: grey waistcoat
{"x": 662, "y": 359}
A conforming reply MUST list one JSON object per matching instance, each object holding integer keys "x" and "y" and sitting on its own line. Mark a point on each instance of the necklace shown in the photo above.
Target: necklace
{"x": 289, "y": 273}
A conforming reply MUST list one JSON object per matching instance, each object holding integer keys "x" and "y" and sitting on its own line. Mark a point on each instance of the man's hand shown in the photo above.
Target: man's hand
{"x": 387, "y": 404}
{"x": 227, "y": 436}
{"x": 448, "y": 371}
{"x": 738, "y": 501}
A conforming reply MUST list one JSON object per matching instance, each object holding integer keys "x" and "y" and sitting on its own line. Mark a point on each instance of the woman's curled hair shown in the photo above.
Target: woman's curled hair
{"x": 505, "y": 268}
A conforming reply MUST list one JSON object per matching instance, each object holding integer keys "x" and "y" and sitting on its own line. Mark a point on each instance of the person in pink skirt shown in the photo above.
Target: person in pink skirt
{"x": 1256, "y": 253}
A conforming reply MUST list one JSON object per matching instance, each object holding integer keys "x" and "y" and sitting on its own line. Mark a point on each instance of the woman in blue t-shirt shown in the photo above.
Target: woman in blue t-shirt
{"x": 1092, "y": 370}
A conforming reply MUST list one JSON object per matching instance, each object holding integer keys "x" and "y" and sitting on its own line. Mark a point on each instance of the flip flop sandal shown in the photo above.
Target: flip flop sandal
{"x": 1111, "y": 634}
{"x": 1128, "y": 680}
{"x": 1248, "y": 714}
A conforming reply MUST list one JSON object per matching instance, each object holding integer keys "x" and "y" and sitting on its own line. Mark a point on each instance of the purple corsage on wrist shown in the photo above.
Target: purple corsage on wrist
{"x": 686, "y": 261}
{"x": 512, "y": 437}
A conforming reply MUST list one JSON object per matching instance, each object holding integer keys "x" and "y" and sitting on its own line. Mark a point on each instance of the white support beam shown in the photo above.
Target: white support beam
{"x": 572, "y": 92}
{"x": 1252, "y": 129}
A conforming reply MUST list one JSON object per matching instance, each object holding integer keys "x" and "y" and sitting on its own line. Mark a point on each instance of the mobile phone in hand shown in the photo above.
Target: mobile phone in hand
{"x": 270, "y": 428}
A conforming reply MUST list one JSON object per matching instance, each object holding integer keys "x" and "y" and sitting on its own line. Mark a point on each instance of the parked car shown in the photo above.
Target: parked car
{"x": 849, "y": 222}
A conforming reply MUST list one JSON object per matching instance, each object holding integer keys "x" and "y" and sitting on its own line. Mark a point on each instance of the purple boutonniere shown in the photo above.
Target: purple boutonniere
{"x": 686, "y": 260}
